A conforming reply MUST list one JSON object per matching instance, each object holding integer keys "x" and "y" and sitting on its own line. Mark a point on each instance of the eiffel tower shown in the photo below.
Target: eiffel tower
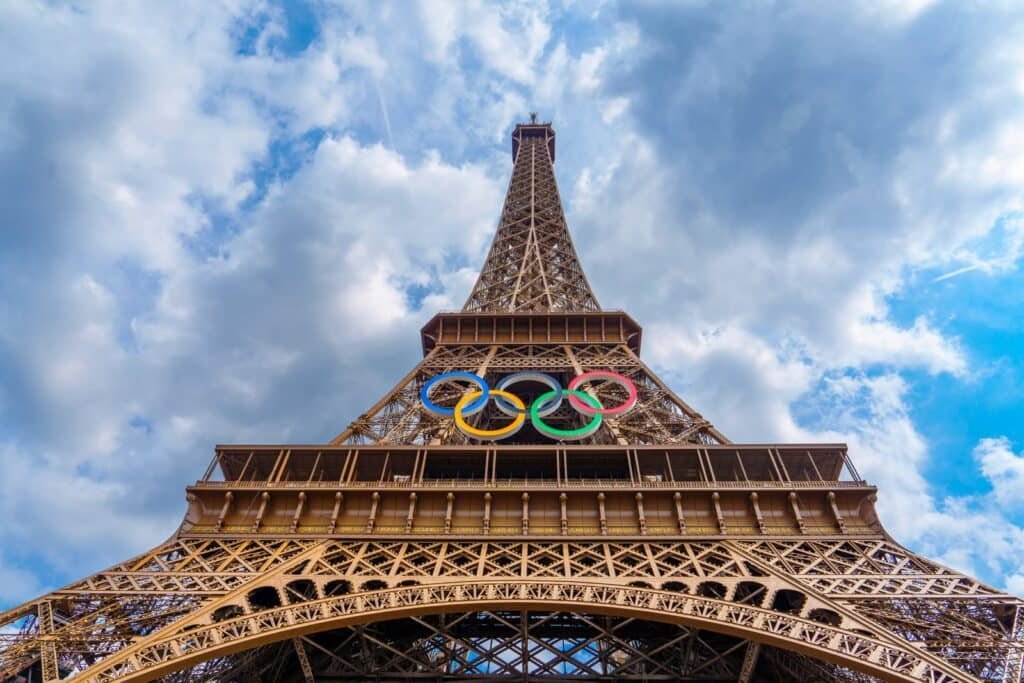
{"x": 530, "y": 502}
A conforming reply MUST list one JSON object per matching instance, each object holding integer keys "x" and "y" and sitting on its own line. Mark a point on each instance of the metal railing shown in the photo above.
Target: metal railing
{"x": 564, "y": 484}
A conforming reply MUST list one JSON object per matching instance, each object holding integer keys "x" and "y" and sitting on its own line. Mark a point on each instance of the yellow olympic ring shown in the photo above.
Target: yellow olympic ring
{"x": 490, "y": 434}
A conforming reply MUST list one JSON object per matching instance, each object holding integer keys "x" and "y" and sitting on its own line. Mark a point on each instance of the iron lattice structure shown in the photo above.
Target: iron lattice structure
{"x": 653, "y": 549}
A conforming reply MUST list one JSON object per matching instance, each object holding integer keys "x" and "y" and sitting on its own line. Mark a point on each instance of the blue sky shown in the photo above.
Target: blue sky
{"x": 225, "y": 223}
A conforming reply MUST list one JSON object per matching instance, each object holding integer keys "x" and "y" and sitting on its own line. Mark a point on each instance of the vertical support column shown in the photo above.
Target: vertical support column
{"x": 677, "y": 497}
{"x": 850, "y": 469}
{"x": 412, "y": 512}
{"x": 210, "y": 467}
{"x": 775, "y": 466}
{"x": 781, "y": 465}
{"x": 563, "y": 499}
{"x": 448, "y": 513}
{"x": 703, "y": 468}
{"x": 47, "y": 646}
{"x": 710, "y": 467}
{"x": 749, "y": 662}
{"x": 794, "y": 503}
{"x": 415, "y": 477}
{"x": 757, "y": 512}
{"x": 283, "y": 466}
{"x": 264, "y": 500}
{"x": 526, "y": 513}
{"x": 316, "y": 463}
{"x": 338, "y": 500}
{"x": 487, "y": 512}
{"x": 716, "y": 502}
{"x": 298, "y": 512}
{"x": 601, "y": 515}
{"x": 303, "y": 657}
{"x": 814, "y": 465}
{"x": 641, "y": 518}
{"x": 277, "y": 463}
{"x": 228, "y": 497}
{"x": 344, "y": 466}
{"x": 352, "y": 467}
{"x": 423, "y": 467}
{"x": 835, "y": 512}
{"x": 743, "y": 470}
{"x": 372, "y": 519}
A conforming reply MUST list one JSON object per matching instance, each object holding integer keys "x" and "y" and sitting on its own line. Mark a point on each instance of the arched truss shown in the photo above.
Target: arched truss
{"x": 205, "y": 639}
{"x": 520, "y": 646}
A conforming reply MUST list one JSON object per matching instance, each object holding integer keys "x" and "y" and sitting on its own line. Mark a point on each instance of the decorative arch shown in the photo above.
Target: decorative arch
{"x": 197, "y": 642}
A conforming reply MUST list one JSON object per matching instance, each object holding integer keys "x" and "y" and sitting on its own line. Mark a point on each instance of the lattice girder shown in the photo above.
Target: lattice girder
{"x": 659, "y": 417}
{"x": 532, "y": 264}
{"x": 677, "y": 582}
{"x": 191, "y": 645}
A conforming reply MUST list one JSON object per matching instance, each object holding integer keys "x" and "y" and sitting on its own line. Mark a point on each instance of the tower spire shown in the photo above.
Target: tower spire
{"x": 532, "y": 265}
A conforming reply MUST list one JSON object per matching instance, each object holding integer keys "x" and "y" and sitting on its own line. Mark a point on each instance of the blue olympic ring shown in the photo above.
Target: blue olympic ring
{"x": 472, "y": 409}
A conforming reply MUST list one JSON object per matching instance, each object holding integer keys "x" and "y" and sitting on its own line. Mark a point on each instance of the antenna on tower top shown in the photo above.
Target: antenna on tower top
{"x": 533, "y": 117}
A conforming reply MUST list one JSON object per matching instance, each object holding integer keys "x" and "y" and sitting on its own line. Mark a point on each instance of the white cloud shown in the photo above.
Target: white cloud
{"x": 897, "y": 11}
{"x": 615, "y": 108}
{"x": 509, "y": 37}
{"x": 1004, "y": 469}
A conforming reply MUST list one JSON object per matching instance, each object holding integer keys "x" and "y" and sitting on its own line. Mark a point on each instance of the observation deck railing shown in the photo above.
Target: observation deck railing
{"x": 565, "y": 484}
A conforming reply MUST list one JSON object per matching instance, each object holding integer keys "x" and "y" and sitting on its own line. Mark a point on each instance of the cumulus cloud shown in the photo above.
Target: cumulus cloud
{"x": 1015, "y": 584}
{"x": 1004, "y": 469}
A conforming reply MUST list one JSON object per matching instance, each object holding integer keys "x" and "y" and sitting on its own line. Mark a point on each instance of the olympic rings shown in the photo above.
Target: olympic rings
{"x": 547, "y": 403}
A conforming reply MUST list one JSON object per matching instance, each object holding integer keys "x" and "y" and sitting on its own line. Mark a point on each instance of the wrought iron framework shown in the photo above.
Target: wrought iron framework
{"x": 654, "y": 549}
{"x": 532, "y": 265}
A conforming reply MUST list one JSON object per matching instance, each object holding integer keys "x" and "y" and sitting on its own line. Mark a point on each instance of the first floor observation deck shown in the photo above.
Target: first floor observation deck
{"x": 549, "y": 490}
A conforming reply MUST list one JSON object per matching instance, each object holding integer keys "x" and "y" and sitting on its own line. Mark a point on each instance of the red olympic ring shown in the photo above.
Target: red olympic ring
{"x": 615, "y": 377}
